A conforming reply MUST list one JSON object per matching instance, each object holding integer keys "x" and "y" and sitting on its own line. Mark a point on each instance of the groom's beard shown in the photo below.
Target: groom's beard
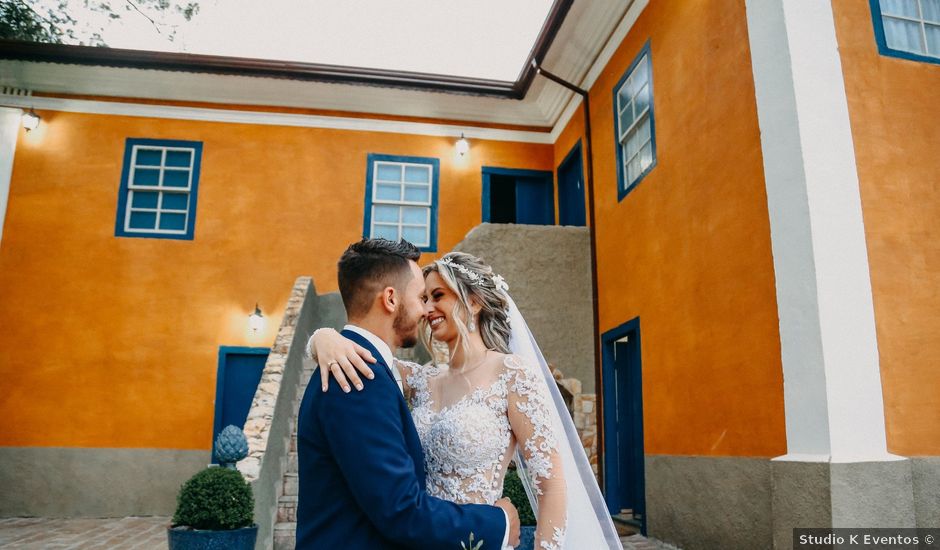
{"x": 407, "y": 332}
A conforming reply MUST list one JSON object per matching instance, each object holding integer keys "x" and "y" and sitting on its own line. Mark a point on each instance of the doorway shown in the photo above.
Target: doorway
{"x": 571, "y": 188}
{"x": 518, "y": 196}
{"x": 624, "y": 469}
{"x": 239, "y": 373}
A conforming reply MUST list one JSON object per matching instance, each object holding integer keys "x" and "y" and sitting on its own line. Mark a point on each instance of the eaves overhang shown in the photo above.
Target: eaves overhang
{"x": 240, "y": 66}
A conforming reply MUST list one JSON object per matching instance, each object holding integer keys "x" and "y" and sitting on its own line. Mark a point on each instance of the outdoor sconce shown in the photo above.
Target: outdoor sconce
{"x": 30, "y": 120}
{"x": 256, "y": 320}
{"x": 463, "y": 146}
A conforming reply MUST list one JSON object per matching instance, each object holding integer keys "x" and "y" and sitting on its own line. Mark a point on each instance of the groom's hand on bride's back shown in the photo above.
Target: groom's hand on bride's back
{"x": 513, "y": 516}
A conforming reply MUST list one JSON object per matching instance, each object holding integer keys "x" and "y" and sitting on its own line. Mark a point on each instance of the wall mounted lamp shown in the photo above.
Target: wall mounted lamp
{"x": 463, "y": 146}
{"x": 30, "y": 120}
{"x": 256, "y": 320}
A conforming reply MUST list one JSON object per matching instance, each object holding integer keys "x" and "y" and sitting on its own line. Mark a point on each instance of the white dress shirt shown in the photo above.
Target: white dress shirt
{"x": 389, "y": 359}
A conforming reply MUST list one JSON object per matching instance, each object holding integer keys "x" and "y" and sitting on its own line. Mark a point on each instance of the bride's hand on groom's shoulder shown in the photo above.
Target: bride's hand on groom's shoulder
{"x": 341, "y": 357}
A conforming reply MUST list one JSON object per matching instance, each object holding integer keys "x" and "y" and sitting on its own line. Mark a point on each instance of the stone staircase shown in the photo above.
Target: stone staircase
{"x": 285, "y": 527}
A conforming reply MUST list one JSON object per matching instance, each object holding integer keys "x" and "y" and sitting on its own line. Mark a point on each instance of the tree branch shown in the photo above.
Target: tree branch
{"x": 152, "y": 22}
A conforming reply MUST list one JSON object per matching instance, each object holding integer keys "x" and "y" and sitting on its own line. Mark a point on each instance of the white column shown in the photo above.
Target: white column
{"x": 832, "y": 380}
{"x": 10, "y": 120}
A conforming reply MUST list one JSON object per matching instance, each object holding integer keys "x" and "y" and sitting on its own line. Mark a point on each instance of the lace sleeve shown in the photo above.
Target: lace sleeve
{"x": 529, "y": 416}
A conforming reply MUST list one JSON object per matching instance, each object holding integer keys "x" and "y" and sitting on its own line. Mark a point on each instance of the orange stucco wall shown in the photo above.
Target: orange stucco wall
{"x": 113, "y": 342}
{"x": 894, "y": 111}
{"x": 688, "y": 251}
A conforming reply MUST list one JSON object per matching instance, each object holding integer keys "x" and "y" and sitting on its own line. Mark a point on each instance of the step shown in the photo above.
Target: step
{"x": 287, "y": 509}
{"x": 285, "y": 536}
{"x": 290, "y": 485}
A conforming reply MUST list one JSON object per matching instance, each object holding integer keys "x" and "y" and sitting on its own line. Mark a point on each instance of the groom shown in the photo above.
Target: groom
{"x": 361, "y": 466}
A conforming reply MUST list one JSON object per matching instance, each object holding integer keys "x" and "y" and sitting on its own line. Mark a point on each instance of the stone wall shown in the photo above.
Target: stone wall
{"x": 548, "y": 269}
{"x": 584, "y": 414}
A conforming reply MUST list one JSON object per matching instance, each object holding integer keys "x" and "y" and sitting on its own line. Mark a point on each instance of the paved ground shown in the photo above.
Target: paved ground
{"x": 72, "y": 534}
{"x": 138, "y": 534}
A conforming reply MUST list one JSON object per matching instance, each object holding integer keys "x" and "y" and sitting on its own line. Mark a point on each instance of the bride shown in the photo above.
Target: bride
{"x": 494, "y": 400}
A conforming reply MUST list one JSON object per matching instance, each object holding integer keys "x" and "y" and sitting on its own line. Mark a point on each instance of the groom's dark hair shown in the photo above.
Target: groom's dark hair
{"x": 369, "y": 266}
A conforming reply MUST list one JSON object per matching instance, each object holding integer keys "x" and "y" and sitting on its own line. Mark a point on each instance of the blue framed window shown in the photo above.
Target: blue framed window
{"x": 401, "y": 199}
{"x": 635, "y": 133}
{"x": 909, "y": 29}
{"x": 158, "y": 189}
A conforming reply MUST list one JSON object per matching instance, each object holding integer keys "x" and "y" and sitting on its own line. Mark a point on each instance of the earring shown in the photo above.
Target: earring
{"x": 471, "y": 326}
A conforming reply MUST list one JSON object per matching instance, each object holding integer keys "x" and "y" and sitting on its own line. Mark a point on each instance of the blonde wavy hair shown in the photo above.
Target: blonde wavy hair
{"x": 493, "y": 321}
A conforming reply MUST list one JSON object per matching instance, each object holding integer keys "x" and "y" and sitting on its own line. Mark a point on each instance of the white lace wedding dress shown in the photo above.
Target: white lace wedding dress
{"x": 470, "y": 426}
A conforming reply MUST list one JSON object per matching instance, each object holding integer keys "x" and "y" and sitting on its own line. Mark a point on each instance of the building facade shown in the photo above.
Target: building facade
{"x": 759, "y": 180}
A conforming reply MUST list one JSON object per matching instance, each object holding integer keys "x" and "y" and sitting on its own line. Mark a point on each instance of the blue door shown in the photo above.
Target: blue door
{"x": 571, "y": 189}
{"x": 238, "y": 376}
{"x": 518, "y": 196}
{"x": 624, "y": 477}
{"x": 534, "y": 201}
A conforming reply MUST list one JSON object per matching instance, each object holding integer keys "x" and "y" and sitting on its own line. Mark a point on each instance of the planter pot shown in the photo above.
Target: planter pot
{"x": 526, "y": 538}
{"x": 184, "y": 538}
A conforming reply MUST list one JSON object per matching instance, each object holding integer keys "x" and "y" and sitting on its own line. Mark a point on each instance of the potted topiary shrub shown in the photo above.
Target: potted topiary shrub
{"x": 515, "y": 492}
{"x": 215, "y": 508}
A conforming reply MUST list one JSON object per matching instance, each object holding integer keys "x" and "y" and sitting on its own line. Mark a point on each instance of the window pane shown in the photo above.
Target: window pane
{"x": 907, "y": 8}
{"x": 626, "y": 119}
{"x": 176, "y": 178}
{"x": 389, "y": 232}
{"x": 415, "y": 235}
{"x": 641, "y": 72}
{"x": 143, "y": 220}
{"x": 417, "y": 194}
{"x": 144, "y": 199}
{"x": 646, "y": 156}
{"x": 172, "y": 222}
{"x": 388, "y": 172}
{"x": 933, "y": 40}
{"x": 384, "y": 192}
{"x": 642, "y": 100}
{"x": 418, "y": 174}
{"x": 414, "y": 215}
{"x": 624, "y": 97}
{"x": 383, "y": 213}
{"x": 931, "y": 9}
{"x": 175, "y": 201}
{"x": 146, "y": 177}
{"x": 903, "y": 35}
{"x": 179, "y": 158}
{"x": 149, "y": 157}
{"x": 643, "y": 131}
{"x": 633, "y": 145}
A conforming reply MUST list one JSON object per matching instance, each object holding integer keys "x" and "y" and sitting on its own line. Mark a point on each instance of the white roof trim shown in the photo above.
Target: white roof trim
{"x": 272, "y": 119}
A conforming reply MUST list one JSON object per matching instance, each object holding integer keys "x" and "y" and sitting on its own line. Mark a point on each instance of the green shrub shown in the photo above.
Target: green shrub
{"x": 216, "y": 499}
{"x": 513, "y": 489}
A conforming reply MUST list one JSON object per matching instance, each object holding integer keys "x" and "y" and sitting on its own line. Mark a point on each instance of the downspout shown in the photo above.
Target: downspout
{"x": 592, "y": 231}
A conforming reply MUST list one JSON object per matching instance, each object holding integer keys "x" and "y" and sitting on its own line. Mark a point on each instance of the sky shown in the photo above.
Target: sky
{"x": 488, "y": 39}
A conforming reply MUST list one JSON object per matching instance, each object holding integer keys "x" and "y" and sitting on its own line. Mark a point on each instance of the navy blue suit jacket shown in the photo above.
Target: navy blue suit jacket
{"x": 362, "y": 478}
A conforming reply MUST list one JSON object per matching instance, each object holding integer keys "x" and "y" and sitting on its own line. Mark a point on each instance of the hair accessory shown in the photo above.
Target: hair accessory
{"x": 500, "y": 283}
{"x": 475, "y": 277}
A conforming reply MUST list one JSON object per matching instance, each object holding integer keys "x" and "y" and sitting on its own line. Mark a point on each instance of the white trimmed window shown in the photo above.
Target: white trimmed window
{"x": 159, "y": 189}
{"x": 402, "y": 199}
{"x": 912, "y": 26}
{"x": 635, "y": 136}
